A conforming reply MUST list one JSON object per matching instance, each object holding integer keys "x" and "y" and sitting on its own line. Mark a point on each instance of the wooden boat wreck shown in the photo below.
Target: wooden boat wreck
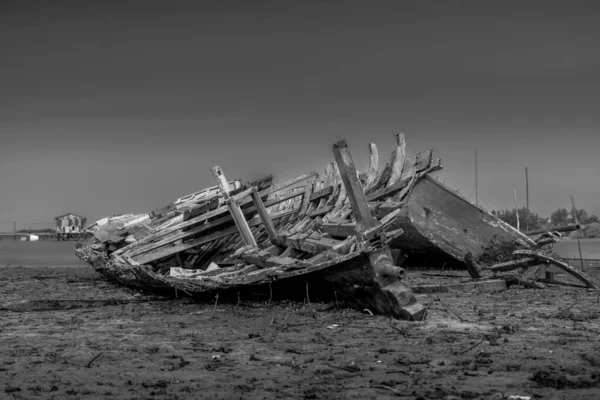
{"x": 342, "y": 235}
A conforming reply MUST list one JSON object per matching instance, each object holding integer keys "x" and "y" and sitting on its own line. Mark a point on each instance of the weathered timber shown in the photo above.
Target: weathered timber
{"x": 564, "y": 266}
{"x": 203, "y": 208}
{"x": 398, "y": 157}
{"x": 234, "y": 207}
{"x": 163, "y": 210}
{"x": 167, "y": 251}
{"x": 513, "y": 264}
{"x": 339, "y": 229}
{"x": 389, "y": 191}
{"x": 441, "y": 226}
{"x": 358, "y": 200}
{"x": 201, "y": 218}
{"x": 312, "y": 243}
{"x": 565, "y": 228}
{"x": 472, "y": 267}
{"x": 321, "y": 193}
{"x": 264, "y": 215}
{"x": 373, "y": 165}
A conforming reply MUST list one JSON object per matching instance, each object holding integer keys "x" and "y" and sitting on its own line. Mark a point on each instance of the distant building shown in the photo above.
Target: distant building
{"x": 70, "y": 223}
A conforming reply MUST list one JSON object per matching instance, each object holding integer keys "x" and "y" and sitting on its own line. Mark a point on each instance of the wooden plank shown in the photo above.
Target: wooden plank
{"x": 163, "y": 210}
{"x": 292, "y": 182}
{"x": 513, "y": 264}
{"x": 264, "y": 215}
{"x": 234, "y": 208}
{"x": 340, "y": 230}
{"x": 308, "y": 190}
{"x": 168, "y": 251}
{"x": 321, "y": 193}
{"x": 261, "y": 184}
{"x": 564, "y": 266}
{"x": 204, "y": 207}
{"x": 194, "y": 221}
{"x": 313, "y": 244}
{"x": 358, "y": 200}
{"x": 373, "y": 165}
{"x": 398, "y": 160}
{"x": 388, "y": 191}
{"x": 240, "y": 195}
{"x": 322, "y": 211}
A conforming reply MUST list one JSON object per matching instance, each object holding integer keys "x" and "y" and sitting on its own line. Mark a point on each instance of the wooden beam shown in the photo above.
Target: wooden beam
{"x": 264, "y": 215}
{"x": 234, "y": 208}
{"x": 388, "y": 191}
{"x": 358, "y": 200}
{"x": 163, "y": 210}
{"x": 339, "y": 230}
{"x": 564, "y": 266}
{"x": 321, "y": 193}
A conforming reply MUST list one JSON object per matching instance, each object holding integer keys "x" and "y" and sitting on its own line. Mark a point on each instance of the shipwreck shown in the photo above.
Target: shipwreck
{"x": 341, "y": 235}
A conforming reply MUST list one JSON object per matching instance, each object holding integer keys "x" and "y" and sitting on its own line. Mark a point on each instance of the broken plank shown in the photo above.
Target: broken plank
{"x": 203, "y": 208}
{"x": 312, "y": 244}
{"x": 167, "y": 251}
{"x": 564, "y": 266}
{"x": 340, "y": 230}
{"x": 513, "y": 264}
{"x": 388, "y": 191}
{"x": 163, "y": 210}
{"x": 194, "y": 221}
{"x": 321, "y": 193}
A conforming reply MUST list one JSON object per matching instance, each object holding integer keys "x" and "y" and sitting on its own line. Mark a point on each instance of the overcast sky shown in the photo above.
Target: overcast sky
{"x": 118, "y": 107}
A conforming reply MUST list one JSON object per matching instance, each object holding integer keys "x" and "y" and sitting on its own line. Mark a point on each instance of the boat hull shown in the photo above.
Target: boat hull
{"x": 440, "y": 226}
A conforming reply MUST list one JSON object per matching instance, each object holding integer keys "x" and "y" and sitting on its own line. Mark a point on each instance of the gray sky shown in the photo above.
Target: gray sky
{"x": 114, "y": 108}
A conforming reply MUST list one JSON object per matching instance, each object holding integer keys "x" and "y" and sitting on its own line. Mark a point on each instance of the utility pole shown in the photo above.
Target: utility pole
{"x": 476, "y": 179}
{"x": 517, "y": 210}
{"x": 527, "y": 199}
{"x": 15, "y": 230}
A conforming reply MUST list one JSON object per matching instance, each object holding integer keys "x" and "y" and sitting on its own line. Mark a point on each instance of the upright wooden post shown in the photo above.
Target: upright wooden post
{"x": 396, "y": 298}
{"x": 15, "y": 230}
{"x": 358, "y": 200}
{"x": 234, "y": 208}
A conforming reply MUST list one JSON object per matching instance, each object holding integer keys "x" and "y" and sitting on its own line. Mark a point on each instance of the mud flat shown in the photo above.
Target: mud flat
{"x": 67, "y": 333}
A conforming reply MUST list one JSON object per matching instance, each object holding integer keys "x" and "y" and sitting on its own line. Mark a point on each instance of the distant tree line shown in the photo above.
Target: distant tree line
{"x": 560, "y": 217}
{"x": 36, "y": 231}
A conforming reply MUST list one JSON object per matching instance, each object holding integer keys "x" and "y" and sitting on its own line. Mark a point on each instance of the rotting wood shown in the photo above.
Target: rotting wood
{"x": 161, "y": 252}
{"x": 202, "y": 218}
{"x": 321, "y": 193}
{"x": 163, "y": 210}
{"x": 513, "y": 264}
{"x": 399, "y": 158}
{"x": 564, "y": 228}
{"x": 373, "y": 165}
{"x": 234, "y": 208}
{"x": 564, "y": 266}
{"x": 264, "y": 215}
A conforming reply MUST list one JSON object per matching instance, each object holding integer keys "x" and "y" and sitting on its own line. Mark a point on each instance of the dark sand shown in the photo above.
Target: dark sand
{"x": 517, "y": 342}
